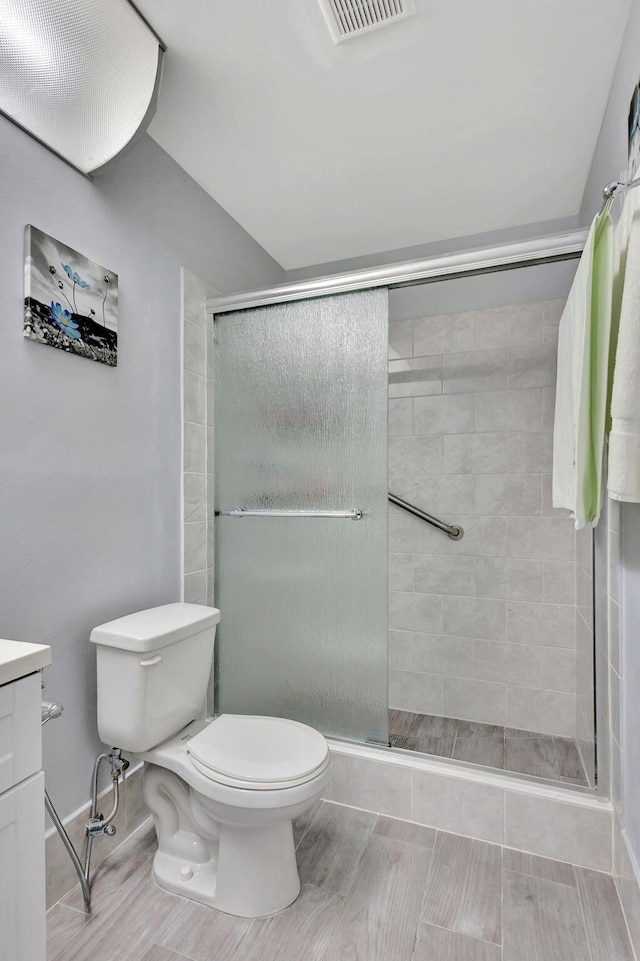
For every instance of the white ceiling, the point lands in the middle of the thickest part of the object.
(470, 117)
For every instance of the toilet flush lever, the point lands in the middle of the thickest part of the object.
(152, 661)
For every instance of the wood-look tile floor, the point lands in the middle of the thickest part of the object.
(373, 889)
(504, 748)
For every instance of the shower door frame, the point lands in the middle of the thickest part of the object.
(567, 245)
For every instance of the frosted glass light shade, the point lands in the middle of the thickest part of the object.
(80, 76)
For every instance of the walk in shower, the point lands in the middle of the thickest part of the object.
(436, 392)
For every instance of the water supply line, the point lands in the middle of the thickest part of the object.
(97, 823)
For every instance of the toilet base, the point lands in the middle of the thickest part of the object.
(242, 893)
(245, 869)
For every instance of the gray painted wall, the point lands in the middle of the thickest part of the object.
(609, 162)
(90, 455)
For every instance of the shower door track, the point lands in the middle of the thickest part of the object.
(525, 253)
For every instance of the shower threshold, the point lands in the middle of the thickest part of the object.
(493, 746)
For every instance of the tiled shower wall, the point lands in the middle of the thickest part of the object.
(483, 628)
(197, 440)
(585, 675)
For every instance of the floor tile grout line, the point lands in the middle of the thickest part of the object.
(68, 907)
(427, 880)
(583, 915)
(178, 954)
(359, 867)
(536, 877)
(634, 952)
(249, 929)
(502, 894)
(471, 937)
(304, 833)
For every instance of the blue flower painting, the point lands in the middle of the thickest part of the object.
(70, 302)
(65, 321)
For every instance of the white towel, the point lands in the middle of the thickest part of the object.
(624, 439)
(581, 388)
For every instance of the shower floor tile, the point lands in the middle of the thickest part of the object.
(504, 749)
(396, 891)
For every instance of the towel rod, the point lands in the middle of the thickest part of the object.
(454, 531)
(354, 515)
(616, 187)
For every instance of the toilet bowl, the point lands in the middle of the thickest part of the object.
(223, 792)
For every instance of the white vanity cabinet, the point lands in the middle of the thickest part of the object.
(22, 865)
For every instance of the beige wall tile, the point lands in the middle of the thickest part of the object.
(474, 371)
(507, 663)
(195, 587)
(462, 807)
(195, 400)
(558, 582)
(503, 494)
(195, 547)
(411, 691)
(400, 416)
(415, 378)
(442, 654)
(413, 612)
(445, 575)
(401, 572)
(560, 830)
(547, 712)
(474, 617)
(550, 625)
(401, 650)
(558, 669)
(532, 366)
(195, 448)
(400, 339)
(509, 578)
(444, 494)
(508, 326)
(415, 455)
(194, 349)
(483, 536)
(443, 334)
(371, 785)
(486, 453)
(408, 534)
(474, 700)
(443, 414)
(508, 410)
(195, 497)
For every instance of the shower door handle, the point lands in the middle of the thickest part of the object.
(354, 515)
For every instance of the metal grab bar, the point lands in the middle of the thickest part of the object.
(354, 515)
(454, 531)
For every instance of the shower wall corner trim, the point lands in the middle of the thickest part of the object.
(563, 246)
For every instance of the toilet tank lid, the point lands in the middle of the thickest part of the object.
(156, 627)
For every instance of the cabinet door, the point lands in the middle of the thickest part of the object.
(20, 730)
(22, 872)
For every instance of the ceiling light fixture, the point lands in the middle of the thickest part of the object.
(80, 76)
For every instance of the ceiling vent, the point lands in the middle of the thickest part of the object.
(350, 18)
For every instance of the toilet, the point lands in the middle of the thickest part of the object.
(223, 792)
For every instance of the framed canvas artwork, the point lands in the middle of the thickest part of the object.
(70, 302)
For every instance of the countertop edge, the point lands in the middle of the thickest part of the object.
(19, 658)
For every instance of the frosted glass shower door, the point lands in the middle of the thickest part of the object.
(301, 425)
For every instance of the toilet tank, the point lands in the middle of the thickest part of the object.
(153, 671)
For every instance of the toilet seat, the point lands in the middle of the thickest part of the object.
(258, 753)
